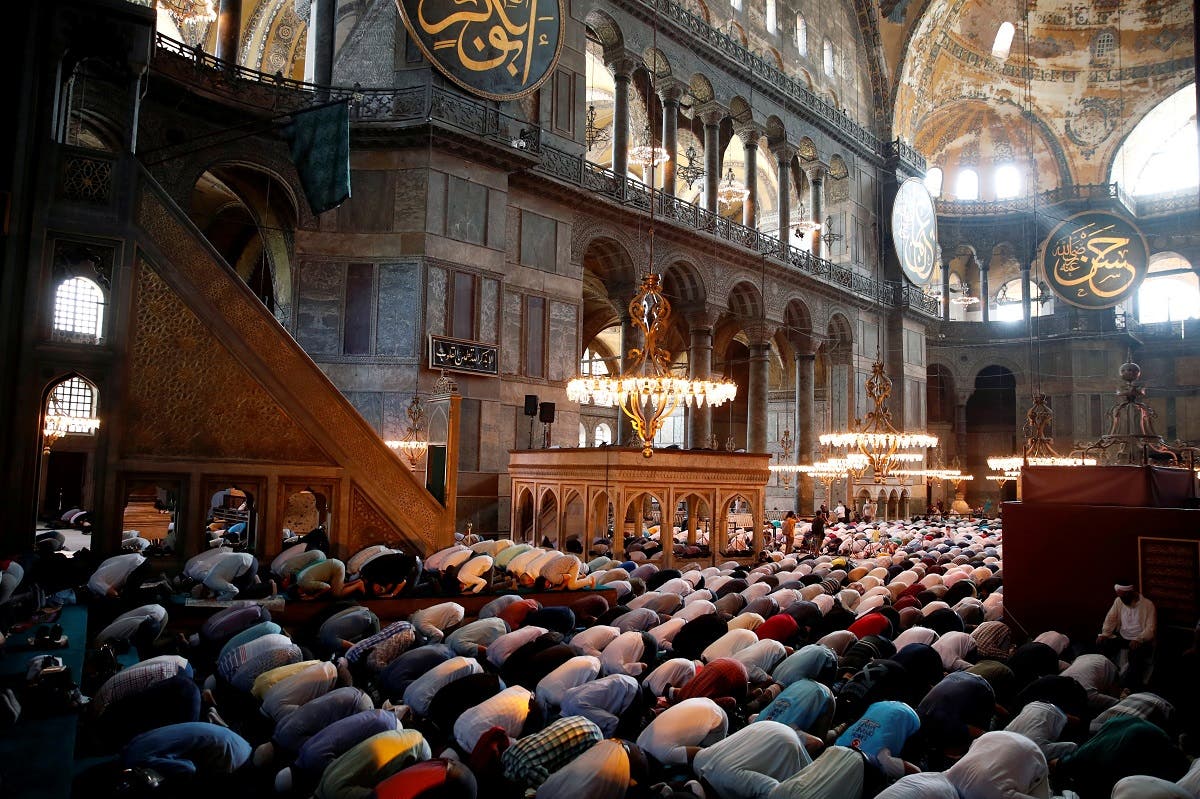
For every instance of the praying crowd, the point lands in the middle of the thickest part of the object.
(873, 660)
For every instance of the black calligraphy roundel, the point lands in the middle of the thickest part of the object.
(1095, 259)
(498, 49)
(914, 231)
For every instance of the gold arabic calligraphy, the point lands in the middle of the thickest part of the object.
(485, 34)
(914, 230)
(1093, 261)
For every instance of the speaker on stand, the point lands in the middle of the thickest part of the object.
(531, 410)
(546, 415)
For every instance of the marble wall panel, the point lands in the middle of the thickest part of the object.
(412, 200)
(319, 307)
(399, 319)
(372, 204)
(466, 211)
(510, 340)
(538, 241)
(489, 310)
(563, 350)
(369, 404)
(435, 301)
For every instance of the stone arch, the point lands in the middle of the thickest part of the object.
(738, 33)
(798, 328)
(776, 134)
(745, 301)
(701, 89)
(657, 62)
(699, 8)
(773, 56)
(806, 150)
(608, 282)
(740, 111)
(605, 29)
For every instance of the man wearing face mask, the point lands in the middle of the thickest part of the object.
(1130, 624)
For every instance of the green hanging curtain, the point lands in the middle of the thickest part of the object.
(320, 142)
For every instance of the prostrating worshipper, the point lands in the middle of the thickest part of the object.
(955, 712)
(327, 745)
(189, 750)
(751, 762)
(1130, 626)
(355, 774)
(1001, 765)
(433, 622)
(605, 702)
(506, 710)
(1043, 723)
(677, 735)
(881, 735)
(432, 779)
(342, 630)
(533, 758)
(1124, 746)
(294, 730)
(575, 672)
(420, 692)
(473, 575)
(395, 678)
(605, 771)
(806, 706)
(562, 572)
(139, 627)
(301, 683)
(117, 574)
(838, 773)
(326, 577)
(389, 574)
(376, 651)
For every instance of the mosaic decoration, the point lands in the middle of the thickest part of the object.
(1092, 123)
(1095, 259)
(497, 50)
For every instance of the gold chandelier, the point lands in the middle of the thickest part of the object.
(647, 154)
(414, 444)
(647, 391)
(192, 11)
(1038, 449)
(731, 191)
(882, 444)
(56, 425)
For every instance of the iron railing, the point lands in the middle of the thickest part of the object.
(1028, 203)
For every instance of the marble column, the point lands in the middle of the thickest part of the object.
(229, 30)
(323, 32)
(700, 366)
(1025, 298)
(711, 118)
(960, 427)
(622, 72)
(750, 137)
(984, 291)
(625, 436)
(806, 438)
(816, 182)
(784, 154)
(946, 289)
(756, 394)
(670, 93)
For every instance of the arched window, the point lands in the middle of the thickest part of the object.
(592, 364)
(1160, 156)
(1104, 44)
(966, 185)
(74, 398)
(1003, 41)
(603, 434)
(1008, 181)
(1007, 306)
(79, 311)
(736, 4)
(828, 58)
(772, 19)
(1170, 292)
(801, 36)
(933, 181)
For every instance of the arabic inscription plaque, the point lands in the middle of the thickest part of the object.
(498, 49)
(1095, 259)
(914, 231)
(463, 356)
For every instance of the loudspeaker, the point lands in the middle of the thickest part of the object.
(531, 405)
(546, 413)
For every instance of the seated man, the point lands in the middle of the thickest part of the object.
(1129, 625)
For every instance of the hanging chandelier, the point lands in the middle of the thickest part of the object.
(190, 11)
(648, 392)
(1039, 447)
(691, 173)
(594, 134)
(646, 154)
(414, 444)
(56, 425)
(805, 225)
(731, 191)
(882, 444)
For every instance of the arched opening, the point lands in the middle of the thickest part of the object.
(1159, 156)
(574, 523)
(304, 512)
(150, 522)
(991, 419)
(249, 216)
(67, 489)
(1170, 292)
(524, 531)
(547, 521)
(232, 518)
(78, 311)
(739, 528)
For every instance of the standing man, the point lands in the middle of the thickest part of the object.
(789, 531)
(1130, 624)
(868, 511)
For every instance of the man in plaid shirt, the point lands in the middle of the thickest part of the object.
(531, 760)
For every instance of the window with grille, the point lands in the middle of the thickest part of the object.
(1106, 42)
(74, 397)
(79, 311)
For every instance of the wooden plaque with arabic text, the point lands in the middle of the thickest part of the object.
(1095, 259)
(498, 49)
(1169, 569)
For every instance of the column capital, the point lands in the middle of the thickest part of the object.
(785, 152)
(701, 318)
(759, 332)
(816, 171)
(749, 134)
(670, 90)
(622, 63)
(710, 113)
